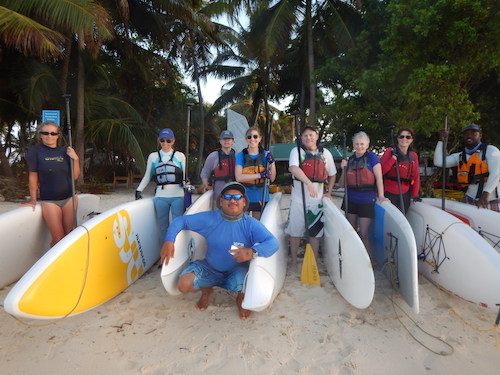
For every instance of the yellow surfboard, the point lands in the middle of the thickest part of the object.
(91, 265)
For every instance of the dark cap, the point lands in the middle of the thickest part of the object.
(225, 134)
(166, 133)
(305, 127)
(471, 127)
(234, 186)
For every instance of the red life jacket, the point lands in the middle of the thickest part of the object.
(225, 169)
(359, 177)
(314, 166)
(253, 166)
(406, 167)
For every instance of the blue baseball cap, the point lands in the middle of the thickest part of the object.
(166, 133)
(471, 127)
(226, 134)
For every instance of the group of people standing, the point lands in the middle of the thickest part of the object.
(240, 184)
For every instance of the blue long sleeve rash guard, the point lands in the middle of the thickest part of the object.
(221, 234)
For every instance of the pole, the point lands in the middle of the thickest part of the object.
(445, 142)
(266, 181)
(187, 187)
(401, 202)
(70, 142)
(344, 173)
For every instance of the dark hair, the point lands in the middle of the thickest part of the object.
(409, 130)
(253, 128)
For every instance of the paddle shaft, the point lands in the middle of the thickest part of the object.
(266, 164)
(401, 202)
(344, 172)
(296, 124)
(71, 167)
(445, 142)
(187, 191)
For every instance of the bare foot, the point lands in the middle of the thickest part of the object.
(202, 303)
(244, 314)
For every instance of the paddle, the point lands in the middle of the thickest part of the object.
(267, 166)
(445, 141)
(401, 202)
(68, 125)
(309, 273)
(187, 188)
(344, 173)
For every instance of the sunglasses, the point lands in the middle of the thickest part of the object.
(49, 133)
(166, 140)
(405, 136)
(255, 136)
(236, 197)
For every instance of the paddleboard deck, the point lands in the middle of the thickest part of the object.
(454, 256)
(26, 237)
(485, 222)
(92, 264)
(265, 276)
(346, 258)
(395, 251)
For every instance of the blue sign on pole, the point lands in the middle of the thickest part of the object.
(51, 115)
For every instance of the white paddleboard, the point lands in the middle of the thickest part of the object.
(346, 258)
(92, 264)
(26, 237)
(485, 222)
(395, 251)
(266, 276)
(189, 246)
(454, 256)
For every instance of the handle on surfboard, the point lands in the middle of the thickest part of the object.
(68, 125)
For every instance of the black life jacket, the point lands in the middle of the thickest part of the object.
(225, 169)
(314, 165)
(359, 177)
(167, 173)
(406, 167)
(253, 166)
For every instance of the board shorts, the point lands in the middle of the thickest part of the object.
(395, 200)
(360, 209)
(295, 226)
(493, 205)
(255, 206)
(206, 277)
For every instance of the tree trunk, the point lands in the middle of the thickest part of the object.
(4, 162)
(80, 107)
(310, 64)
(202, 123)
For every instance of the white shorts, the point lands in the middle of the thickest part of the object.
(295, 226)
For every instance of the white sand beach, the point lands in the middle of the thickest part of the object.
(308, 330)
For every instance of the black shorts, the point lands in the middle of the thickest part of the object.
(360, 209)
(254, 206)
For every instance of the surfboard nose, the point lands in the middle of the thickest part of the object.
(258, 298)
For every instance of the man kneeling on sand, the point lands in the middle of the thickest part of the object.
(233, 239)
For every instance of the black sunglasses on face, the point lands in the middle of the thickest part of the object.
(51, 133)
(255, 136)
(405, 136)
(236, 197)
(166, 140)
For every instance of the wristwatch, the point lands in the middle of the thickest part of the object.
(254, 255)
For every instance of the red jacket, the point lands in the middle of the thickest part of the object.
(391, 186)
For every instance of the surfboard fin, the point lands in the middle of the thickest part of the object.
(309, 274)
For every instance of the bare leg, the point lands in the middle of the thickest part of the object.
(67, 215)
(244, 314)
(256, 215)
(315, 246)
(186, 285)
(364, 225)
(294, 248)
(53, 215)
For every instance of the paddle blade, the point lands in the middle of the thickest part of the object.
(309, 274)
